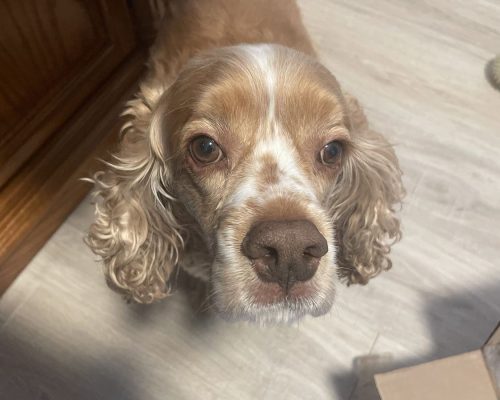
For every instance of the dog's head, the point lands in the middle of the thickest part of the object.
(254, 164)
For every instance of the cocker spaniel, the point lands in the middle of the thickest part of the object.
(244, 163)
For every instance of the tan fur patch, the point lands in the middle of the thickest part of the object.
(269, 171)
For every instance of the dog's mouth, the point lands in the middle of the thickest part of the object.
(269, 302)
(273, 307)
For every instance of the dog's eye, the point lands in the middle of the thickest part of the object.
(205, 150)
(331, 153)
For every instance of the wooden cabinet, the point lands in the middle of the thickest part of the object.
(66, 67)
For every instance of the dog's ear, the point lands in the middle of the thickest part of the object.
(135, 231)
(367, 192)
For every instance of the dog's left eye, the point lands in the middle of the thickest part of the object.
(205, 150)
(331, 153)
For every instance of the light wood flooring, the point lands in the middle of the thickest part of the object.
(417, 67)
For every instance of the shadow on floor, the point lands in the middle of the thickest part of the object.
(27, 372)
(196, 294)
(30, 371)
(446, 317)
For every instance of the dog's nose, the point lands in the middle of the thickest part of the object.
(285, 251)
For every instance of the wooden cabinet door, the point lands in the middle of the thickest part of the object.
(53, 55)
(66, 69)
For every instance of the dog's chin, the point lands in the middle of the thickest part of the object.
(270, 306)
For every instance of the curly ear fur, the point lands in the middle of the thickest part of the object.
(367, 191)
(135, 232)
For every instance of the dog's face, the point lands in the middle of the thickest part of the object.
(255, 152)
(256, 144)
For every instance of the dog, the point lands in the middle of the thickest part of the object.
(243, 163)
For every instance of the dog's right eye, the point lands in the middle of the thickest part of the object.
(331, 152)
(205, 150)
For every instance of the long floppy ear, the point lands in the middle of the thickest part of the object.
(135, 232)
(364, 201)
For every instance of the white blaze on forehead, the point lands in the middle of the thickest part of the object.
(274, 145)
(262, 56)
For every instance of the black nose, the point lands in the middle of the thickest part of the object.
(284, 251)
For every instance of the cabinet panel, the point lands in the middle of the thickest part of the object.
(53, 55)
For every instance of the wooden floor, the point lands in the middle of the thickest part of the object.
(417, 66)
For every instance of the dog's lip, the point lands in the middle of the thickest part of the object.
(268, 303)
(269, 293)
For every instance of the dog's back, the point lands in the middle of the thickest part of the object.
(192, 26)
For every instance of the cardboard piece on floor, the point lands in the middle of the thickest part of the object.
(468, 376)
